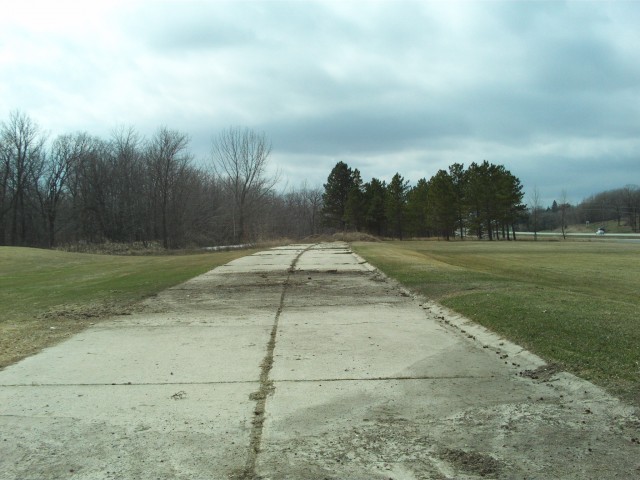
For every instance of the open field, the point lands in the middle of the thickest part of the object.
(45, 295)
(573, 303)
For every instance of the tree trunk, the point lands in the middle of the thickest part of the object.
(165, 234)
(240, 233)
(51, 224)
(14, 219)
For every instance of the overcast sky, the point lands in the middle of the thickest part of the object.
(549, 89)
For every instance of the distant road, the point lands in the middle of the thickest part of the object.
(606, 236)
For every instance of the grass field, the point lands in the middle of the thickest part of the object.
(45, 295)
(576, 304)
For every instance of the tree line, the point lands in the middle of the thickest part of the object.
(484, 201)
(127, 188)
(78, 188)
(621, 205)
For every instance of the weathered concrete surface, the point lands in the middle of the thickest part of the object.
(303, 362)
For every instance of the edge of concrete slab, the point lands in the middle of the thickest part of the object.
(366, 264)
(522, 361)
(468, 327)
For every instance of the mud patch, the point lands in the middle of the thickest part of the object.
(93, 311)
(372, 450)
(326, 288)
(543, 373)
(472, 462)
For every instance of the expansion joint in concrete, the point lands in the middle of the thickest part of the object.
(266, 385)
(123, 384)
(256, 396)
(387, 379)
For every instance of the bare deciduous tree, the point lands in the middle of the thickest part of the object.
(65, 154)
(534, 205)
(131, 185)
(168, 159)
(313, 202)
(240, 158)
(5, 195)
(631, 195)
(23, 158)
(564, 205)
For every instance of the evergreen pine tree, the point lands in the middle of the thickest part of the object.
(336, 192)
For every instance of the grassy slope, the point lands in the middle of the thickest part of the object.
(47, 295)
(573, 303)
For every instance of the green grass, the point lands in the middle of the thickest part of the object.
(47, 295)
(572, 303)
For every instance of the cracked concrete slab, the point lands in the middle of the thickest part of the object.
(303, 362)
(125, 431)
(149, 354)
(384, 341)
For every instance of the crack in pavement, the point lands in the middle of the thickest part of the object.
(266, 385)
(385, 379)
(246, 382)
(125, 384)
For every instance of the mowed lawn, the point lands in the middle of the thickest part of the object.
(574, 303)
(46, 295)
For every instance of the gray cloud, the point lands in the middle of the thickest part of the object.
(549, 89)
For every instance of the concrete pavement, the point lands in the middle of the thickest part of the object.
(303, 362)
